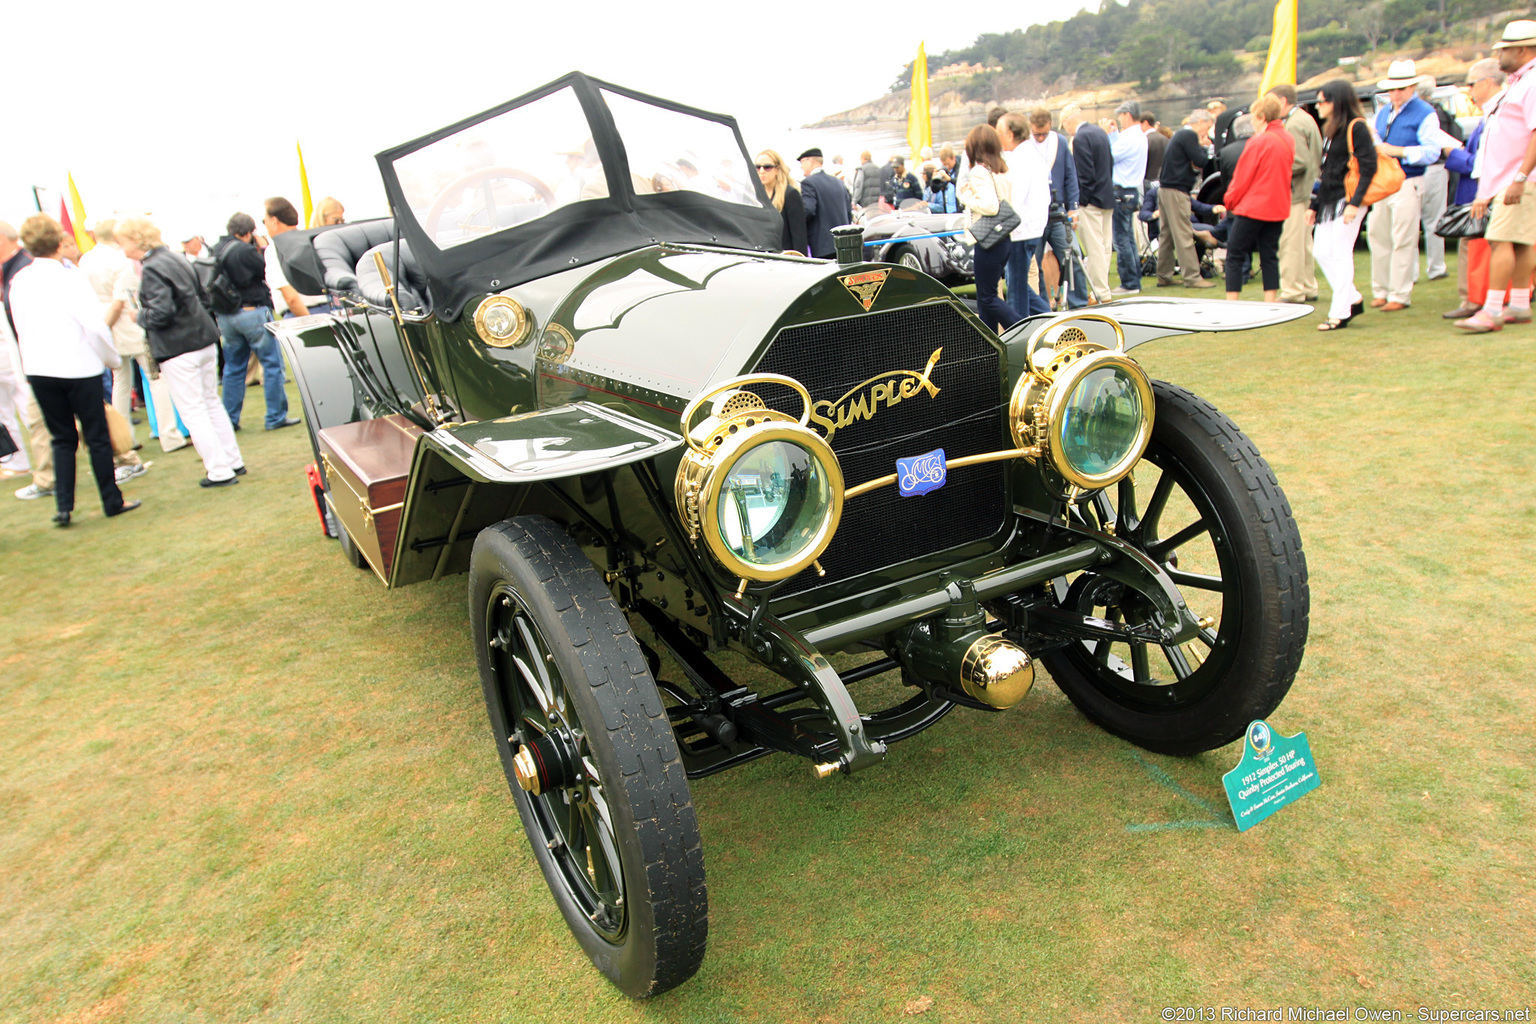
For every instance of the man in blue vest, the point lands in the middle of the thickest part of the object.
(1408, 129)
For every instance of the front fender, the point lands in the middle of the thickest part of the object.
(467, 476)
(1148, 319)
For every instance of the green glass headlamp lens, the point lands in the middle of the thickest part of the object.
(773, 505)
(1101, 421)
(1098, 413)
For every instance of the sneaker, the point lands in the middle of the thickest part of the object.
(1459, 313)
(207, 482)
(125, 473)
(1121, 290)
(1517, 316)
(1200, 284)
(1481, 323)
(31, 492)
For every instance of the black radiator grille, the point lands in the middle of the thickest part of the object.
(882, 528)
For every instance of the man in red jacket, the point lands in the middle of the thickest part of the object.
(1259, 199)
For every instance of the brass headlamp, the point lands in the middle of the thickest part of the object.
(1086, 406)
(762, 489)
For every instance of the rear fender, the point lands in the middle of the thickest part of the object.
(321, 373)
(467, 476)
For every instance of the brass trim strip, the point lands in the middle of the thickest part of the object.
(964, 460)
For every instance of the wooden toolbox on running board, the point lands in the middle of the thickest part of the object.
(365, 466)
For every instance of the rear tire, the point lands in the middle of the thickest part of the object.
(1173, 702)
(614, 830)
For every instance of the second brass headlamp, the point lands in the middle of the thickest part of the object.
(1086, 406)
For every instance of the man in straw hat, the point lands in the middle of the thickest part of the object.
(1505, 158)
(1409, 129)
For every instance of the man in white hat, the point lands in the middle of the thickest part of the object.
(1408, 129)
(1507, 156)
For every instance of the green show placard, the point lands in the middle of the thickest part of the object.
(1275, 770)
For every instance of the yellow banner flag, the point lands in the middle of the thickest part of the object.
(309, 205)
(1281, 66)
(77, 222)
(919, 128)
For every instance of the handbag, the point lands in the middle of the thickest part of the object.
(7, 445)
(990, 230)
(1389, 176)
(121, 432)
(1457, 222)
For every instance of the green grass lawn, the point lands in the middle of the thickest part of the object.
(241, 781)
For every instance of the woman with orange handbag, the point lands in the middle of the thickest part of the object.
(1346, 140)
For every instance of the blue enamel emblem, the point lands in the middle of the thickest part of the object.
(921, 473)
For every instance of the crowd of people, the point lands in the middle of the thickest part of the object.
(1088, 194)
(135, 323)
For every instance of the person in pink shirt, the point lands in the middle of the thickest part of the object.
(1507, 157)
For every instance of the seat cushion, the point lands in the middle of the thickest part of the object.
(411, 288)
(340, 249)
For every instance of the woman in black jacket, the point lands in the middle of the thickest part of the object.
(1338, 216)
(181, 340)
(785, 195)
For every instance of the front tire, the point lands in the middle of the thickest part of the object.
(613, 826)
(907, 256)
(1213, 516)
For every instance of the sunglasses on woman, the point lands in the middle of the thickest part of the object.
(767, 167)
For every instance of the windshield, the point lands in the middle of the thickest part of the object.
(671, 151)
(524, 163)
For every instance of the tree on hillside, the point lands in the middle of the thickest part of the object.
(1370, 22)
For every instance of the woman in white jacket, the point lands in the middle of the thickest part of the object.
(987, 187)
(65, 344)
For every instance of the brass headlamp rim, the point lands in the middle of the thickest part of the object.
(1053, 328)
(520, 332)
(1060, 392)
(740, 384)
(706, 469)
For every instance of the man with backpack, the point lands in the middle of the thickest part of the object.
(242, 306)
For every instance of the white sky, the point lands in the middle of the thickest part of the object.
(184, 110)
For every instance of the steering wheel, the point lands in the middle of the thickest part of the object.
(483, 176)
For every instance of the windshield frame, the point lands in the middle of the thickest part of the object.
(582, 232)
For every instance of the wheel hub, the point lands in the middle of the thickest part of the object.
(545, 764)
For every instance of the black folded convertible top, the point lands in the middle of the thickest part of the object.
(580, 232)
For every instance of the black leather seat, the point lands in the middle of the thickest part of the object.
(410, 289)
(340, 248)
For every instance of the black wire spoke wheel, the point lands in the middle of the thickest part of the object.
(1204, 505)
(589, 755)
(571, 809)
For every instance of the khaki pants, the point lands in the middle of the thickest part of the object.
(1096, 227)
(1394, 235)
(1436, 181)
(1461, 270)
(1298, 272)
(165, 412)
(1175, 233)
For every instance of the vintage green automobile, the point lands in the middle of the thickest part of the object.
(574, 366)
